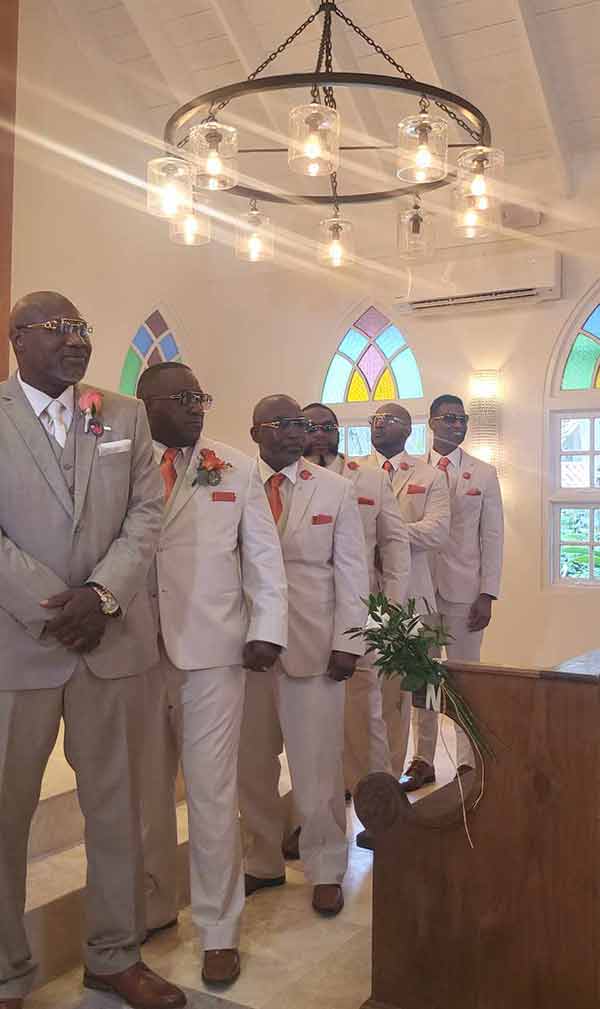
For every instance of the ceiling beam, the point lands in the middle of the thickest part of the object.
(548, 92)
(145, 15)
(422, 11)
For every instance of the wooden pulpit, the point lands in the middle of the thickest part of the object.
(513, 923)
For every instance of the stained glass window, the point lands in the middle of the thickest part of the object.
(154, 342)
(582, 369)
(373, 364)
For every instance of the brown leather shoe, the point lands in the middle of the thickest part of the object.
(328, 898)
(290, 849)
(11, 1003)
(221, 966)
(139, 986)
(417, 774)
(254, 883)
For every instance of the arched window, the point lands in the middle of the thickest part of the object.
(154, 342)
(373, 364)
(573, 521)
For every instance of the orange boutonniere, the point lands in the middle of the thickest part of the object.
(305, 474)
(209, 469)
(404, 465)
(353, 465)
(466, 476)
(90, 404)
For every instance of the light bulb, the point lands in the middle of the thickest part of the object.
(336, 252)
(423, 157)
(313, 168)
(312, 147)
(255, 247)
(471, 219)
(190, 229)
(478, 185)
(170, 199)
(420, 176)
(214, 165)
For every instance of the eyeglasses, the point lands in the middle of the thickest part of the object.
(63, 326)
(452, 418)
(288, 424)
(327, 428)
(188, 398)
(382, 419)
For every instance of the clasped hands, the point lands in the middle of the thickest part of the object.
(261, 655)
(80, 624)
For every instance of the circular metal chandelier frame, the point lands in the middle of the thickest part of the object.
(206, 102)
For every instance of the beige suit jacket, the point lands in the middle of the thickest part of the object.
(422, 495)
(50, 541)
(471, 560)
(325, 562)
(221, 580)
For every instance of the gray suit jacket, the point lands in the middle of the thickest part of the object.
(106, 531)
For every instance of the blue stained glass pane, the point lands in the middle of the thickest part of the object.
(142, 341)
(169, 347)
(359, 440)
(407, 375)
(334, 390)
(342, 443)
(592, 323)
(417, 443)
(353, 344)
(390, 341)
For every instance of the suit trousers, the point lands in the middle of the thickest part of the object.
(306, 715)
(205, 732)
(365, 734)
(465, 647)
(103, 746)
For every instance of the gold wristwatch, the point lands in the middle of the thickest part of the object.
(108, 604)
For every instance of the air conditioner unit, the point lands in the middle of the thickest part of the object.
(490, 281)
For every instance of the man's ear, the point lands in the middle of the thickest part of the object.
(254, 434)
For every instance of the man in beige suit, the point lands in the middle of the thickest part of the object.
(222, 597)
(80, 513)
(300, 703)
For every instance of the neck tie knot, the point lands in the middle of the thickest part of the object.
(168, 471)
(387, 466)
(443, 463)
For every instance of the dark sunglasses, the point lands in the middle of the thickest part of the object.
(188, 398)
(452, 418)
(288, 424)
(63, 326)
(327, 428)
(381, 419)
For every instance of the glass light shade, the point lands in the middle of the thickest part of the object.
(336, 242)
(255, 240)
(471, 220)
(479, 170)
(314, 141)
(214, 147)
(191, 229)
(416, 233)
(169, 190)
(422, 149)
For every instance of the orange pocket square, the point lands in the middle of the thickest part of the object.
(474, 492)
(366, 500)
(416, 488)
(223, 495)
(322, 520)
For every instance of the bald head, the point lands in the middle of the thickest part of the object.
(49, 359)
(391, 429)
(282, 445)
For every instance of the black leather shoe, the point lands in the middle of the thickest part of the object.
(254, 883)
(364, 840)
(417, 774)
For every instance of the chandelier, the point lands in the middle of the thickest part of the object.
(202, 156)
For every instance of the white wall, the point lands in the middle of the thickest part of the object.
(249, 333)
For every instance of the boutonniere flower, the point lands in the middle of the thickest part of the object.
(305, 474)
(90, 404)
(209, 469)
(404, 465)
(466, 476)
(352, 465)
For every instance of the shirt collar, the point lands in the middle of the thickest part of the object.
(454, 457)
(160, 449)
(395, 460)
(291, 471)
(40, 401)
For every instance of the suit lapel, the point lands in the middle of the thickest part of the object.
(85, 450)
(302, 493)
(183, 490)
(18, 409)
(401, 478)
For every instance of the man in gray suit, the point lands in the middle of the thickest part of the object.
(80, 516)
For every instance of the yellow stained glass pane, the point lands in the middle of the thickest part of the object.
(386, 387)
(597, 382)
(358, 391)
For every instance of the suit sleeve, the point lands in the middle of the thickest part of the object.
(24, 582)
(351, 575)
(263, 574)
(394, 546)
(491, 532)
(432, 531)
(124, 568)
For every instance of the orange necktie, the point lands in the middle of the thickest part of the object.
(274, 495)
(443, 465)
(387, 466)
(168, 471)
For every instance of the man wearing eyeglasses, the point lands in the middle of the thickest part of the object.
(80, 514)
(299, 703)
(422, 496)
(466, 571)
(222, 595)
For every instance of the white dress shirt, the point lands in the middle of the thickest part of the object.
(40, 401)
(454, 460)
(285, 490)
(395, 460)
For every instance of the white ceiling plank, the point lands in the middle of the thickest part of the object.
(145, 15)
(551, 99)
(422, 11)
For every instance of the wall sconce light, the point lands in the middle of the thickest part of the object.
(484, 412)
